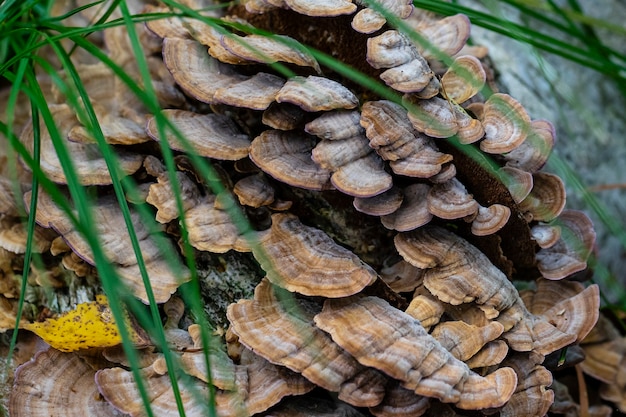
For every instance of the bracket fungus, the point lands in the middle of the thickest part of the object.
(306, 260)
(429, 369)
(164, 277)
(388, 254)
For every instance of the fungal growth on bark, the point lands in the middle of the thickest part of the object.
(398, 253)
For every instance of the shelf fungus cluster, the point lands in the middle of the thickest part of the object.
(411, 257)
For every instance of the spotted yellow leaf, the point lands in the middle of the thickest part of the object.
(90, 325)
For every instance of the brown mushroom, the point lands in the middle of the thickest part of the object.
(447, 35)
(410, 77)
(378, 335)
(166, 273)
(212, 229)
(198, 74)
(546, 235)
(518, 182)
(88, 162)
(533, 153)
(400, 401)
(212, 135)
(381, 204)
(442, 252)
(336, 125)
(283, 116)
(492, 354)
(283, 333)
(506, 124)
(55, 383)
(546, 199)
(314, 94)
(464, 340)
(255, 93)
(402, 276)
(254, 191)
(390, 49)
(425, 307)
(306, 260)
(322, 8)
(531, 397)
(364, 177)
(464, 79)
(490, 219)
(569, 254)
(333, 154)
(268, 50)
(286, 156)
(369, 20)
(413, 211)
(434, 117)
(389, 130)
(161, 194)
(450, 200)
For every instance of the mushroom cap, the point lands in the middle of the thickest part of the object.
(410, 77)
(321, 8)
(464, 340)
(333, 154)
(470, 129)
(286, 156)
(413, 211)
(195, 71)
(471, 277)
(87, 160)
(161, 194)
(400, 401)
(281, 329)
(268, 50)
(569, 254)
(390, 49)
(533, 153)
(379, 335)
(336, 125)
(434, 117)
(493, 353)
(55, 383)
(365, 177)
(254, 191)
(546, 199)
(464, 79)
(546, 235)
(306, 260)
(283, 116)
(490, 219)
(165, 276)
(256, 93)
(118, 387)
(211, 229)
(450, 200)
(424, 162)
(389, 129)
(14, 236)
(402, 276)
(506, 124)
(518, 182)
(369, 20)
(211, 135)
(531, 398)
(315, 94)
(380, 204)
(568, 305)
(447, 35)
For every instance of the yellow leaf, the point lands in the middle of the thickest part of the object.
(89, 325)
